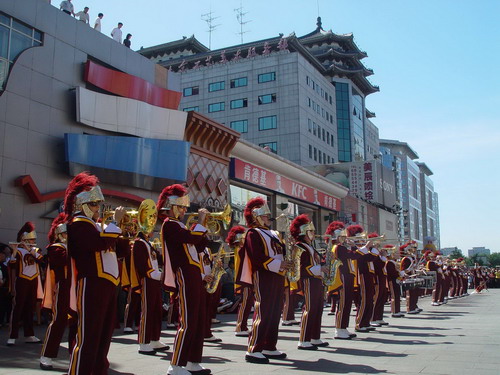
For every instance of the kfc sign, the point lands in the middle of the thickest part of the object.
(261, 177)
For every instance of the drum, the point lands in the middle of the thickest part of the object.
(429, 280)
(414, 283)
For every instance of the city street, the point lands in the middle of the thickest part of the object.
(461, 337)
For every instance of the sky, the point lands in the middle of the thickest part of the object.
(436, 62)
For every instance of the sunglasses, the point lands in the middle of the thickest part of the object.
(93, 204)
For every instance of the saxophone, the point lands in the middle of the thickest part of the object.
(217, 271)
(293, 252)
(332, 264)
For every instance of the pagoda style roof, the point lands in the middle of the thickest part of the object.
(369, 114)
(331, 54)
(183, 44)
(424, 168)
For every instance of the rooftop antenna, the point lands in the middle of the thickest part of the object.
(317, 2)
(239, 17)
(209, 19)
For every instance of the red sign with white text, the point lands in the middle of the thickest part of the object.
(258, 176)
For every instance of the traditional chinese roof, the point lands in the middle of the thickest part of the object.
(332, 54)
(369, 114)
(190, 44)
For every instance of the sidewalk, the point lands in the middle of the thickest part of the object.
(461, 337)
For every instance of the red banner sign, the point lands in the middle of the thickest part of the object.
(259, 176)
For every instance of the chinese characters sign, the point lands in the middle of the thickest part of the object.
(261, 177)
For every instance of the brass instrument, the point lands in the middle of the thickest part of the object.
(293, 252)
(217, 271)
(147, 215)
(213, 220)
(127, 224)
(333, 264)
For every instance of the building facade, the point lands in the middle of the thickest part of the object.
(301, 97)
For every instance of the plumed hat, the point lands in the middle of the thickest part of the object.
(81, 189)
(353, 230)
(373, 235)
(333, 227)
(173, 195)
(300, 225)
(27, 232)
(235, 235)
(58, 226)
(255, 207)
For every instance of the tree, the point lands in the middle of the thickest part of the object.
(494, 259)
(457, 253)
(475, 259)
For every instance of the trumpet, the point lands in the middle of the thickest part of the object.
(128, 223)
(214, 220)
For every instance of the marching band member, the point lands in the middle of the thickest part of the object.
(25, 284)
(366, 273)
(432, 265)
(311, 284)
(92, 249)
(408, 266)
(263, 266)
(57, 291)
(211, 299)
(235, 239)
(183, 270)
(394, 275)
(346, 271)
(380, 287)
(145, 263)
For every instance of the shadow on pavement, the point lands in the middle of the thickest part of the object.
(420, 328)
(327, 366)
(368, 353)
(419, 334)
(396, 342)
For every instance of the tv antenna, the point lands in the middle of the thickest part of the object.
(239, 16)
(209, 19)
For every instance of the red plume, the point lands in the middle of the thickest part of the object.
(352, 230)
(176, 189)
(60, 219)
(373, 235)
(296, 224)
(81, 182)
(26, 228)
(388, 246)
(334, 225)
(251, 204)
(231, 236)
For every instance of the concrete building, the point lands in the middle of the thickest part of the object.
(478, 251)
(448, 250)
(417, 201)
(301, 97)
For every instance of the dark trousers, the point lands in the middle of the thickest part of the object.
(438, 289)
(151, 311)
(310, 328)
(379, 298)
(345, 301)
(56, 328)
(365, 310)
(268, 289)
(188, 344)
(23, 305)
(5, 305)
(395, 290)
(412, 299)
(133, 309)
(244, 309)
(289, 303)
(96, 309)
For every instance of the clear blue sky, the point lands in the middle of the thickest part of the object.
(436, 62)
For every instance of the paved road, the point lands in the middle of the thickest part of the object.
(462, 337)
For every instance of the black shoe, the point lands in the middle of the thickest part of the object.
(205, 371)
(252, 359)
(164, 349)
(275, 356)
(46, 367)
(322, 345)
(314, 347)
(331, 313)
(371, 328)
(352, 335)
(147, 352)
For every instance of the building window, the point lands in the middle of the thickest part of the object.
(315, 154)
(266, 77)
(319, 132)
(309, 125)
(414, 187)
(310, 152)
(195, 108)
(343, 121)
(238, 82)
(323, 134)
(416, 226)
(190, 91)
(314, 128)
(240, 126)
(269, 122)
(328, 137)
(429, 199)
(271, 146)
(15, 37)
(216, 86)
(216, 107)
(238, 103)
(266, 99)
